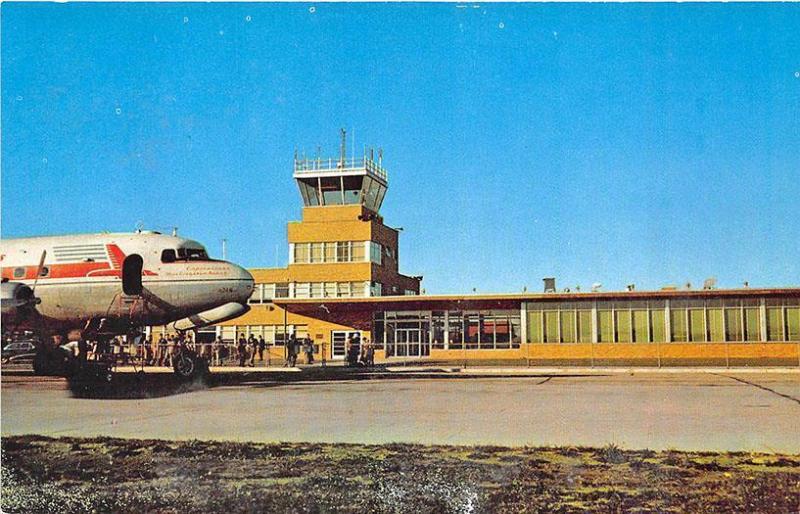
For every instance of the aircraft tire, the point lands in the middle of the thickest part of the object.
(45, 364)
(40, 365)
(190, 366)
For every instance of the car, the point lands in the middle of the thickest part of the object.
(18, 351)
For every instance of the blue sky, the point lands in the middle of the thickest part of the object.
(611, 143)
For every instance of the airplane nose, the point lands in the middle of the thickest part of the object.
(246, 281)
(242, 282)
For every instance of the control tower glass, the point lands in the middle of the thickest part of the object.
(359, 180)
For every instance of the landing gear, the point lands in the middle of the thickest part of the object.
(93, 372)
(51, 362)
(52, 359)
(184, 365)
(90, 379)
(188, 365)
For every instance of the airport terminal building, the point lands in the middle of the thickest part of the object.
(343, 280)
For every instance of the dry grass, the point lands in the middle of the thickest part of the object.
(40, 474)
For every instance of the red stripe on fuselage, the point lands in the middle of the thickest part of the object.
(70, 270)
(73, 270)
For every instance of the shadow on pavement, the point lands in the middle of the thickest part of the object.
(154, 385)
(132, 386)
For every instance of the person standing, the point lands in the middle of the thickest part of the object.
(355, 350)
(141, 348)
(262, 345)
(291, 348)
(362, 354)
(252, 344)
(216, 349)
(298, 347)
(308, 346)
(148, 352)
(295, 350)
(370, 353)
(161, 350)
(170, 350)
(241, 350)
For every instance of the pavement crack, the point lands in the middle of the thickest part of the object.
(765, 388)
(548, 379)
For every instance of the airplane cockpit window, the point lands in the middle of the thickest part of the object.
(184, 254)
(192, 254)
(168, 255)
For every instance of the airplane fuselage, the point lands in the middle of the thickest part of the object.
(95, 276)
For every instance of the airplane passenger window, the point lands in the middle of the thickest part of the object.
(168, 255)
(19, 272)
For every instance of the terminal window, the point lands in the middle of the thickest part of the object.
(327, 252)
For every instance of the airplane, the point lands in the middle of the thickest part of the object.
(101, 285)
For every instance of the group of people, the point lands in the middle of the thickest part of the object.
(359, 352)
(244, 351)
(124, 352)
(247, 349)
(293, 348)
(165, 350)
(102, 349)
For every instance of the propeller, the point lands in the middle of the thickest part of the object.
(38, 274)
(16, 296)
(20, 301)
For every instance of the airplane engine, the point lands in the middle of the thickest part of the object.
(216, 315)
(17, 301)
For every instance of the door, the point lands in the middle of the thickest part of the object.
(339, 342)
(132, 274)
(407, 341)
(412, 342)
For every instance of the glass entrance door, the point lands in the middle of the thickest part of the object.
(412, 342)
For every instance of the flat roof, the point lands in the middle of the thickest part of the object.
(334, 307)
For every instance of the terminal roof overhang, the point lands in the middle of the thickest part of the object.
(344, 308)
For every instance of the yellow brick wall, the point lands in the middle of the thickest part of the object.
(270, 275)
(601, 354)
(338, 272)
(332, 213)
(330, 223)
(666, 354)
(341, 223)
(329, 231)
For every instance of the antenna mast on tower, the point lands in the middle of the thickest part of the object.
(343, 149)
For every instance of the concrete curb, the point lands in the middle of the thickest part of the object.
(481, 371)
(583, 370)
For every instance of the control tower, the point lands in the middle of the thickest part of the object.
(342, 181)
(342, 247)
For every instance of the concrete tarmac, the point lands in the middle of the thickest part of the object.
(687, 411)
